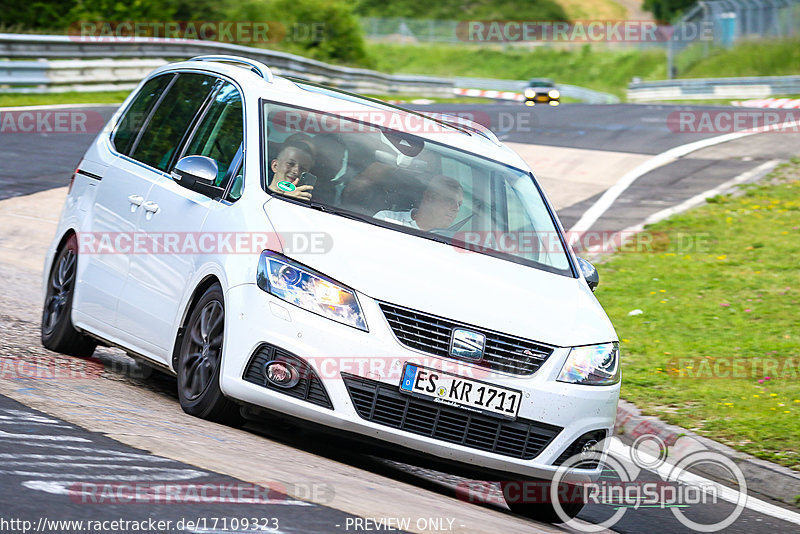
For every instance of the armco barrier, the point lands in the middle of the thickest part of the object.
(713, 88)
(48, 76)
(68, 63)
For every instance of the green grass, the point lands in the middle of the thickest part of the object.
(602, 70)
(608, 71)
(27, 99)
(721, 101)
(757, 58)
(717, 285)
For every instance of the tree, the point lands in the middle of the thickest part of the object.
(667, 10)
(320, 29)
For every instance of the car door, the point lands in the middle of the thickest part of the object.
(114, 215)
(173, 216)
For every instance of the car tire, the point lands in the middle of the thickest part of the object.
(542, 511)
(200, 360)
(58, 332)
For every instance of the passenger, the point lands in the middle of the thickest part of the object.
(293, 160)
(438, 208)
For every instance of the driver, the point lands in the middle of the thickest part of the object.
(437, 209)
(293, 160)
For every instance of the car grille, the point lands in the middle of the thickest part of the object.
(386, 405)
(431, 334)
(309, 388)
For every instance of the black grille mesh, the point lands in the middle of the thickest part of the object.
(386, 405)
(431, 334)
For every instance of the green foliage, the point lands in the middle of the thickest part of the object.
(34, 15)
(113, 10)
(667, 10)
(459, 10)
(320, 29)
(186, 10)
(59, 14)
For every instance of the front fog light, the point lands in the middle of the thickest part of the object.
(309, 290)
(596, 365)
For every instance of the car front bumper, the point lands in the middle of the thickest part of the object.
(256, 318)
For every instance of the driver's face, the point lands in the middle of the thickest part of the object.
(443, 206)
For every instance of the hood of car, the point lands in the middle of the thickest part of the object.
(440, 279)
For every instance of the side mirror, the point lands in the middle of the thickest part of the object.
(590, 273)
(198, 173)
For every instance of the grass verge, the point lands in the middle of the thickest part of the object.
(716, 348)
(36, 99)
(717, 101)
(602, 70)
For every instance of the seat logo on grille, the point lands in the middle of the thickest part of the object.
(467, 344)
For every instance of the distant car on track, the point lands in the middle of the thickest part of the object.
(542, 91)
(288, 247)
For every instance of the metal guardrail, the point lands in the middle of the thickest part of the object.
(573, 91)
(45, 74)
(74, 75)
(712, 88)
(72, 63)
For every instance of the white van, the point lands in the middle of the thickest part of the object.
(334, 259)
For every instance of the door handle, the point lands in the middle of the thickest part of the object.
(151, 206)
(136, 200)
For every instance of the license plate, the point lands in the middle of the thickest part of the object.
(465, 393)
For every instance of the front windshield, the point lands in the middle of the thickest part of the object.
(368, 165)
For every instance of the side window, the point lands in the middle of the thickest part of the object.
(463, 173)
(518, 219)
(220, 132)
(171, 120)
(133, 119)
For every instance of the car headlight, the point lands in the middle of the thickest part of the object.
(530, 93)
(595, 365)
(309, 290)
(553, 93)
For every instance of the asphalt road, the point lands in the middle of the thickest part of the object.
(58, 477)
(34, 485)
